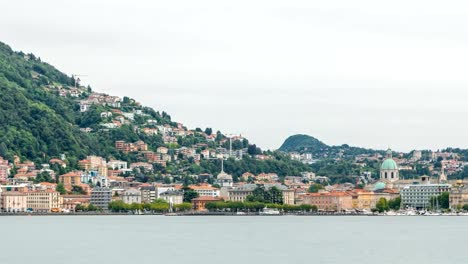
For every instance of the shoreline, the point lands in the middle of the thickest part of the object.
(209, 214)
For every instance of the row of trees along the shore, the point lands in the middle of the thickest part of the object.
(257, 206)
(158, 206)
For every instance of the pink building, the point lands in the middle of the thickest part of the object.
(14, 201)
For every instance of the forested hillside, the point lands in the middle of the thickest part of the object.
(40, 119)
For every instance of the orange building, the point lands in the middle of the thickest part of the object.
(329, 201)
(70, 179)
(198, 204)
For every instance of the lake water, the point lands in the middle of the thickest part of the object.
(232, 240)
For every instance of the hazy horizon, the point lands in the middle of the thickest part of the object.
(361, 73)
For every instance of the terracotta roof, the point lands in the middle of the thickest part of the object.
(57, 161)
(47, 183)
(71, 174)
(207, 198)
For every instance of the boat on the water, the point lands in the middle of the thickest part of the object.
(270, 211)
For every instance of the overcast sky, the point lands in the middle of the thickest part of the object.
(366, 73)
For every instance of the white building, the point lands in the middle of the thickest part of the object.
(418, 196)
(117, 164)
(174, 197)
(131, 196)
(163, 188)
(205, 190)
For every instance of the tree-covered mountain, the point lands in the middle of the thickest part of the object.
(42, 116)
(308, 144)
(303, 143)
(33, 121)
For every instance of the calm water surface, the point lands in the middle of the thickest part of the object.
(226, 240)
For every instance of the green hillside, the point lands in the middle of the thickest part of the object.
(34, 122)
(40, 119)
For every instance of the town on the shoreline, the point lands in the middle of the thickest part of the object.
(100, 187)
(168, 168)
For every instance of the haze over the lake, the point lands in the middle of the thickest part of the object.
(367, 73)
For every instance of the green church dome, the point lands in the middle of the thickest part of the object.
(379, 186)
(389, 164)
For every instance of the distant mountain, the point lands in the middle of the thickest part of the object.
(308, 144)
(303, 143)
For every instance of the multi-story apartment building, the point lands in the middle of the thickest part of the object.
(70, 179)
(148, 194)
(13, 202)
(418, 196)
(101, 197)
(44, 201)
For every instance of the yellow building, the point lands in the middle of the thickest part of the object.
(363, 200)
(43, 201)
(458, 196)
(288, 196)
(367, 200)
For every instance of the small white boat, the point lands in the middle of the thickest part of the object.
(270, 211)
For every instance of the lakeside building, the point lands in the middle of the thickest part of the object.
(367, 200)
(329, 201)
(70, 201)
(174, 197)
(198, 204)
(131, 196)
(418, 196)
(240, 193)
(458, 196)
(101, 197)
(44, 201)
(13, 202)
